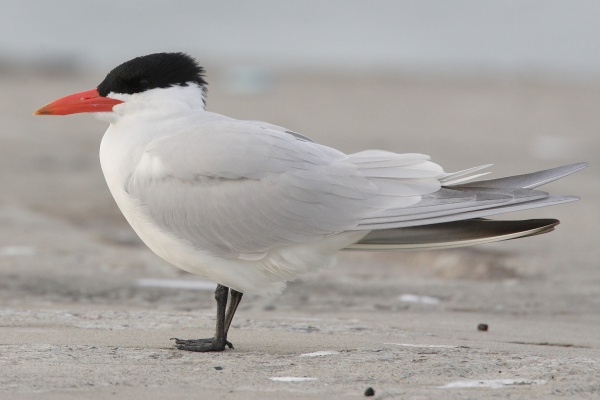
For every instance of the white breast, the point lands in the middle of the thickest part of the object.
(121, 152)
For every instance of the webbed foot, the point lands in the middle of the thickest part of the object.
(201, 345)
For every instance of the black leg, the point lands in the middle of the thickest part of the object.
(219, 341)
(236, 298)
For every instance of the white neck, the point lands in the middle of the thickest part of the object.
(160, 102)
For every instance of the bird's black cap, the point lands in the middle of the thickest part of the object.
(159, 70)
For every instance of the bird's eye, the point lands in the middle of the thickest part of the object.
(144, 83)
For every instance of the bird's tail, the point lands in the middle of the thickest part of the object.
(463, 228)
(526, 181)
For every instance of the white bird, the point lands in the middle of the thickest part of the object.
(252, 205)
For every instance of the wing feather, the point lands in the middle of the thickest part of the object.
(235, 188)
(241, 188)
(529, 181)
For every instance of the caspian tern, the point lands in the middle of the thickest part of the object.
(252, 205)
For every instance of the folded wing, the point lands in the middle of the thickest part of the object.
(238, 189)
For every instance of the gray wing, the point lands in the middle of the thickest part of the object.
(475, 200)
(528, 181)
(238, 189)
(452, 234)
(448, 218)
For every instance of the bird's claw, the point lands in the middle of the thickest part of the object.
(201, 345)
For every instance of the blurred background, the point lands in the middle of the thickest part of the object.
(515, 83)
(460, 37)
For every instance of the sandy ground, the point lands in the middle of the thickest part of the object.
(80, 317)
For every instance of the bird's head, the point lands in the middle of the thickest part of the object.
(170, 81)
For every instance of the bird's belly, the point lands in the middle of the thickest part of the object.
(265, 275)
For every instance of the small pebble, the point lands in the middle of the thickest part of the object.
(369, 392)
(482, 327)
(218, 368)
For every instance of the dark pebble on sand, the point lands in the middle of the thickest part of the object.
(369, 392)
(218, 368)
(482, 327)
